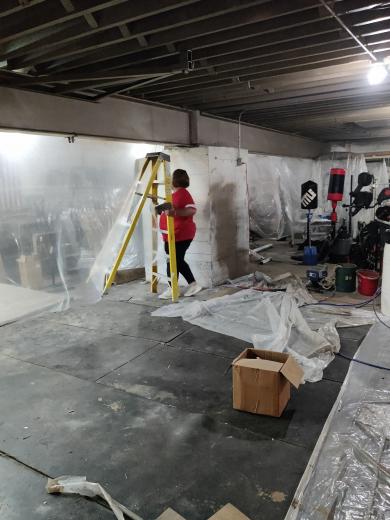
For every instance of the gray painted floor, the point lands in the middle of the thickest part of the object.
(143, 406)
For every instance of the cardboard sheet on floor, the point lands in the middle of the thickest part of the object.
(18, 302)
(229, 512)
(170, 514)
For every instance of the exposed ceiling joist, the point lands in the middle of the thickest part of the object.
(36, 17)
(291, 65)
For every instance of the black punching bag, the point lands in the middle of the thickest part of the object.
(309, 195)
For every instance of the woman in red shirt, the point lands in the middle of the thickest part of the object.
(183, 212)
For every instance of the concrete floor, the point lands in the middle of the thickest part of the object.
(143, 405)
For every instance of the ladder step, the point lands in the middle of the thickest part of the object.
(160, 275)
(158, 155)
(160, 230)
(149, 196)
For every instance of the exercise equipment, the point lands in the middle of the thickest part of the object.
(335, 193)
(359, 199)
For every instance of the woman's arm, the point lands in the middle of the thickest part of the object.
(182, 212)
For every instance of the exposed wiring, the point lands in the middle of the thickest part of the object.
(357, 305)
(362, 362)
(239, 159)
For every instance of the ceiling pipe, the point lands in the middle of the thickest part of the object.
(239, 158)
(339, 20)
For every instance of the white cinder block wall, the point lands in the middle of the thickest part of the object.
(219, 188)
(229, 214)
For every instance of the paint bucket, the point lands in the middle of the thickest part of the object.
(310, 256)
(367, 282)
(385, 298)
(346, 278)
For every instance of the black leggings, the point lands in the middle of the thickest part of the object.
(182, 266)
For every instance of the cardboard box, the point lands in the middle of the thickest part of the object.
(261, 381)
(30, 271)
(129, 275)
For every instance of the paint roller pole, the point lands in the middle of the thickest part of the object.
(308, 227)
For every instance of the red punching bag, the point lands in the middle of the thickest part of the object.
(336, 190)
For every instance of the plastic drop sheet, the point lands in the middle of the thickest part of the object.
(351, 474)
(61, 204)
(267, 320)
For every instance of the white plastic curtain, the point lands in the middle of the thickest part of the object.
(58, 202)
(274, 185)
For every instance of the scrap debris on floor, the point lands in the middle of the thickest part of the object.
(70, 485)
(147, 388)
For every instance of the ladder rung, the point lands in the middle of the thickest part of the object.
(160, 275)
(149, 196)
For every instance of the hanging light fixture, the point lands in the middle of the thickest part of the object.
(377, 73)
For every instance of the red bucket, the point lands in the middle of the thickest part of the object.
(367, 282)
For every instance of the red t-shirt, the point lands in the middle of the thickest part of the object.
(185, 228)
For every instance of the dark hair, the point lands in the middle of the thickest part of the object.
(180, 179)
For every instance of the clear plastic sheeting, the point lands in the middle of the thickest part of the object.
(91, 290)
(274, 185)
(265, 203)
(348, 476)
(267, 320)
(59, 200)
(319, 315)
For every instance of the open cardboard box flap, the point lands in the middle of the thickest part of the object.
(260, 364)
(272, 361)
(292, 372)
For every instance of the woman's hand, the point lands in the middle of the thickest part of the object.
(180, 212)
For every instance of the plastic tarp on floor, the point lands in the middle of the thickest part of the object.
(60, 203)
(348, 476)
(274, 321)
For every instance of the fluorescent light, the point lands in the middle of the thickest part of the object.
(377, 73)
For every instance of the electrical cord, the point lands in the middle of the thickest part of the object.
(362, 362)
(357, 305)
(377, 316)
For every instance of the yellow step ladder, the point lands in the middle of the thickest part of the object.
(155, 161)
